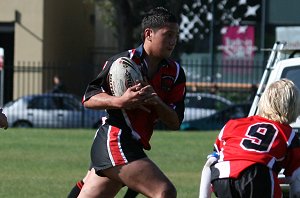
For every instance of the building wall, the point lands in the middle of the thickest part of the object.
(49, 30)
(28, 30)
(28, 41)
(69, 39)
(49, 33)
(68, 31)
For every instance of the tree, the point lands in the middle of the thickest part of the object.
(124, 17)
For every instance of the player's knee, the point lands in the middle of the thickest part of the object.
(168, 191)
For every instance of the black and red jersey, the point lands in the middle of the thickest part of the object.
(168, 83)
(247, 141)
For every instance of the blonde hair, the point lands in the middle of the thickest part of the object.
(280, 102)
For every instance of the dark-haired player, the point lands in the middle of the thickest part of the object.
(117, 153)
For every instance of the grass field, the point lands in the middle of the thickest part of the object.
(46, 163)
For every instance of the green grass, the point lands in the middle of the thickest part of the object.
(48, 162)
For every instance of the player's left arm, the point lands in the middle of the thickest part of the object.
(170, 113)
(205, 183)
(166, 114)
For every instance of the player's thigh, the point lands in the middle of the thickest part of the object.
(222, 188)
(142, 175)
(256, 181)
(97, 186)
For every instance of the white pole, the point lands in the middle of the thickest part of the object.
(1, 76)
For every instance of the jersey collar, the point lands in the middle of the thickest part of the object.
(139, 52)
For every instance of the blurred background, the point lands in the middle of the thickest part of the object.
(220, 48)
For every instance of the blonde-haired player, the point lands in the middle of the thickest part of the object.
(251, 151)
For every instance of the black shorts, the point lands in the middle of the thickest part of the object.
(113, 146)
(255, 181)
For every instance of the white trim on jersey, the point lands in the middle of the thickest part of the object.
(178, 70)
(291, 138)
(224, 168)
(104, 65)
(130, 53)
(271, 163)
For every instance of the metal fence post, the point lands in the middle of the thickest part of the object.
(1, 76)
(1, 86)
(212, 42)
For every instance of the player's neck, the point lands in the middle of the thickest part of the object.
(152, 65)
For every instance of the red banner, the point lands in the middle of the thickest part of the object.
(238, 46)
(238, 42)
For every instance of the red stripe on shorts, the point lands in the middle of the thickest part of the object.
(80, 184)
(115, 151)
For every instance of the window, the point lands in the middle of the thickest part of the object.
(293, 74)
(41, 103)
(71, 104)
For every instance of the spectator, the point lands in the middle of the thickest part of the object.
(58, 85)
(3, 120)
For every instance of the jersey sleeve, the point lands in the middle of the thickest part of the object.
(219, 140)
(99, 84)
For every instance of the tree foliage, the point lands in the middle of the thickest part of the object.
(124, 17)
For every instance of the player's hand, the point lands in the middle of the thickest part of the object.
(151, 97)
(132, 98)
(213, 154)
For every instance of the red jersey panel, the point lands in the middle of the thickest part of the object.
(246, 141)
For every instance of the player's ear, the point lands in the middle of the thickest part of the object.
(148, 34)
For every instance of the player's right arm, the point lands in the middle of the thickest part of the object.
(129, 100)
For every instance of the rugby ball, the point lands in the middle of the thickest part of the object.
(123, 74)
